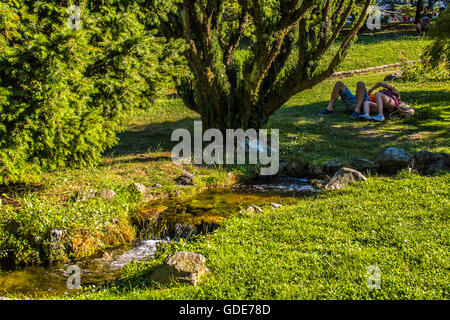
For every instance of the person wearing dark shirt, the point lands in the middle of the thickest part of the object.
(425, 19)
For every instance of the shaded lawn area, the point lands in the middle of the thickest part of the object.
(321, 248)
(305, 136)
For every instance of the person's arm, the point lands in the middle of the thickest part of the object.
(386, 86)
(376, 86)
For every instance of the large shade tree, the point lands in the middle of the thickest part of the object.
(290, 46)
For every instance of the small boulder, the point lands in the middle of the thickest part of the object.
(392, 160)
(185, 179)
(275, 205)
(364, 165)
(84, 195)
(12, 226)
(343, 177)
(56, 235)
(138, 188)
(331, 166)
(254, 209)
(182, 267)
(55, 249)
(429, 163)
(106, 194)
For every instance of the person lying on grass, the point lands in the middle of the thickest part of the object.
(386, 100)
(352, 102)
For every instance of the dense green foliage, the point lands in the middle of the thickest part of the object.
(285, 43)
(64, 93)
(439, 51)
(435, 58)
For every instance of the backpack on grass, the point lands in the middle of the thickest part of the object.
(402, 111)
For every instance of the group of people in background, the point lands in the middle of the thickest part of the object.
(427, 15)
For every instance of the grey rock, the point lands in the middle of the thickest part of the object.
(56, 235)
(392, 160)
(446, 160)
(254, 209)
(275, 205)
(84, 195)
(393, 76)
(364, 165)
(138, 188)
(155, 186)
(12, 226)
(331, 166)
(343, 177)
(426, 162)
(182, 267)
(55, 250)
(185, 179)
(427, 157)
(436, 166)
(106, 194)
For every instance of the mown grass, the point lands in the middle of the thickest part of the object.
(321, 248)
(143, 155)
(307, 137)
(376, 50)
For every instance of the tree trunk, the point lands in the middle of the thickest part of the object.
(420, 6)
(231, 92)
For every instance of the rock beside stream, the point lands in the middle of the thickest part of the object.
(106, 194)
(429, 163)
(88, 194)
(364, 165)
(275, 205)
(186, 179)
(343, 177)
(254, 209)
(182, 267)
(331, 166)
(13, 226)
(392, 160)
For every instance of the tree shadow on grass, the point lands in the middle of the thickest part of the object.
(148, 138)
(305, 134)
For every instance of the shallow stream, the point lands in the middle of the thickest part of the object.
(169, 220)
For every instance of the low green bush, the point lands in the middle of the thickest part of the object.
(64, 92)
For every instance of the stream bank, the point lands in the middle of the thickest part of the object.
(163, 220)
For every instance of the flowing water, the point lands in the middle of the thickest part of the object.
(166, 220)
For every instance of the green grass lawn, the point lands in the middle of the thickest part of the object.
(317, 249)
(376, 50)
(321, 248)
(307, 137)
